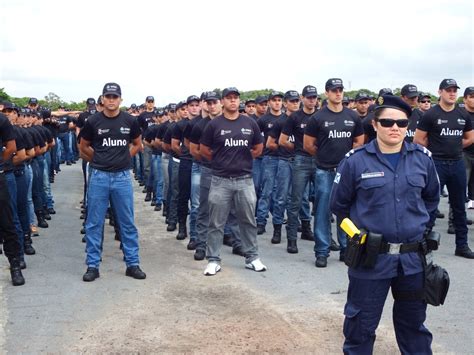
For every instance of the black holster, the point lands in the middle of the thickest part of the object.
(436, 282)
(372, 250)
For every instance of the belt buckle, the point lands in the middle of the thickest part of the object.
(394, 248)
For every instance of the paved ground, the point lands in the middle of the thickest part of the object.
(292, 308)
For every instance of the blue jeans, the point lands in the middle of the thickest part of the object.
(363, 310)
(157, 173)
(304, 168)
(117, 187)
(322, 219)
(46, 183)
(12, 190)
(267, 198)
(65, 147)
(30, 205)
(452, 173)
(283, 187)
(195, 181)
(73, 145)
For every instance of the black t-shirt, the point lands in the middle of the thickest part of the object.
(445, 131)
(195, 137)
(412, 124)
(81, 121)
(110, 139)
(230, 142)
(167, 138)
(150, 136)
(145, 120)
(47, 133)
(369, 130)
(162, 127)
(295, 126)
(41, 138)
(275, 132)
(28, 138)
(20, 145)
(178, 133)
(470, 149)
(334, 133)
(6, 134)
(63, 123)
(265, 123)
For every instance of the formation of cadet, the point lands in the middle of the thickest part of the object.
(211, 143)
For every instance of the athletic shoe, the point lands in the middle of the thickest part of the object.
(256, 265)
(212, 268)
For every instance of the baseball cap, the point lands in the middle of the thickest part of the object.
(192, 98)
(422, 95)
(203, 95)
(45, 113)
(241, 107)
(150, 98)
(99, 100)
(275, 94)
(90, 101)
(391, 101)
(292, 95)
(230, 90)
(345, 100)
(468, 91)
(385, 91)
(309, 91)
(33, 101)
(112, 89)
(362, 96)
(212, 95)
(133, 106)
(249, 101)
(409, 91)
(172, 107)
(180, 104)
(448, 83)
(261, 99)
(333, 83)
(10, 106)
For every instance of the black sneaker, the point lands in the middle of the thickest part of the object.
(192, 244)
(464, 252)
(171, 227)
(158, 208)
(334, 246)
(83, 230)
(17, 276)
(91, 274)
(135, 272)
(260, 229)
(199, 254)
(439, 214)
(321, 261)
(51, 210)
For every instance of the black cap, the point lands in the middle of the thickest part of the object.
(230, 90)
(448, 83)
(261, 99)
(250, 101)
(345, 99)
(203, 95)
(334, 83)
(160, 112)
(112, 89)
(133, 106)
(180, 104)
(310, 91)
(275, 94)
(385, 91)
(362, 96)
(172, 107)
(409, 91)
(192, 98)
(391, 101)
(99, 100)
(422, 95)
(468, 91)
(10, 106)
(292, 95)
(45, 113)
(150, 98)
(241, 107)
(33, 100)
(90, 101)
(212, 95)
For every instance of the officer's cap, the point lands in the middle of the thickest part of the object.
(391, 101)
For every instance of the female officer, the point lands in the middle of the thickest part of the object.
(389, 187)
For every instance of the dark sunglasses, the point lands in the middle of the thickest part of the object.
(425, 101)
(389, 122)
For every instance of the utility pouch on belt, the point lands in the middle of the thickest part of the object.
(355, 243)
(436, 281)
(372, 250)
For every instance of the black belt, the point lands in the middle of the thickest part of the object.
(327, 169)
(399, 248)
(248, 176)
(287, 159)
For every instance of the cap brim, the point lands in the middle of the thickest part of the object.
(411, 95)
(111, 93)
(232, 92)
(451, 86)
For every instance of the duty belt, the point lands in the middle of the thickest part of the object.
(399, 248)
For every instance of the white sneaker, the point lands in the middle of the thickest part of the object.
(212, 268)
(256, 265)
(470, 205)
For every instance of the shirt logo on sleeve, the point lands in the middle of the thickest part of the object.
(372, 175)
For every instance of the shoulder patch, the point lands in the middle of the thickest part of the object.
(352, 151)
(424, 150)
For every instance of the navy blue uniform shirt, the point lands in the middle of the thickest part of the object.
(397, 203)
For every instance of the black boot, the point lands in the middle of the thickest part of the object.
(291, 247)
(260, 229)
(276, 239)
(46, 214)
(148, 194)
(306, 232)
(182, 230)
(153, 199)
(28, 245)
(15, 272)
(41, 220)
(165, 209)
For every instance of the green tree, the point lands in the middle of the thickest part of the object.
(3, 95)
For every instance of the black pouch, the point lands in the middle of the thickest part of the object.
(354, 252)
(436, 282)
(372, 250)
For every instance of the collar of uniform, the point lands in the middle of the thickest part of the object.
(373, 147)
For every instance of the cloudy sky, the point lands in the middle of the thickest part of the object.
(176, 48)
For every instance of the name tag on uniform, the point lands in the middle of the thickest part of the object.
(372, 175)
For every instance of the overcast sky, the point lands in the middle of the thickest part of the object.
(172, 49)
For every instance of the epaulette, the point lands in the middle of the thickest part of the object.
(423, 149)
(352, 151)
